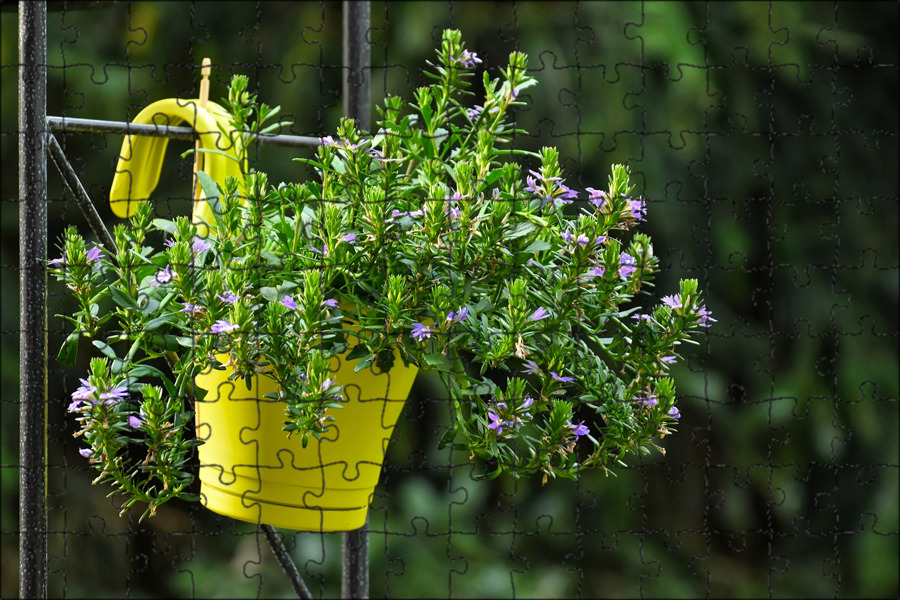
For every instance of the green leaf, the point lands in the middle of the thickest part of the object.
(105, 349)
(145, 371)
(213, 193)
(68, 352)
(520, 230)
(123, 299)
(537, 246)
(158, 322)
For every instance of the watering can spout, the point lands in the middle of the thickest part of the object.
(141, 158)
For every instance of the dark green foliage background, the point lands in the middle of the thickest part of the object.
(765, 139)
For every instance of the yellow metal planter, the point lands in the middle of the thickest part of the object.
(251, 471)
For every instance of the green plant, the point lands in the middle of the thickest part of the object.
(430, 237)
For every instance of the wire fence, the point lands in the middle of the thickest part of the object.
(764, 137)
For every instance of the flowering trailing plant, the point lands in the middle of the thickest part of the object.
(436, 241)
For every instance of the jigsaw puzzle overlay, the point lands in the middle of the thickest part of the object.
(764, 140)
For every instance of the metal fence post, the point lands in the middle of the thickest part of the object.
(357, 105)
(33, 299)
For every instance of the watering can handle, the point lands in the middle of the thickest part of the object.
(141, 158)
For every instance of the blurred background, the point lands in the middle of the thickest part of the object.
(765, 140)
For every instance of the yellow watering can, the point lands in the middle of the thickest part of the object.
(141, 158)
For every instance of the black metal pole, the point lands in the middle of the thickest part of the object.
(32, 299)
(357, 60)
(358, 106)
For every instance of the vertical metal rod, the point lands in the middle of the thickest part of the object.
(357, 105)
(357, 60)
(32, 299)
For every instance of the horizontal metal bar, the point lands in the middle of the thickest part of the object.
(67, 124)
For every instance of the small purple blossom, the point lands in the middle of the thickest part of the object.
(456, 317)
(467, 59)
(641, 317)
(598, 271)
(526, 404)
(223, 326)
(627, 265)
(669, 360)
(705, 317)
(161, 277)
(288, 302)
(582, 240)
(327, 140)
(420, 331)
(531, 367)
(539, 314)
(93, 254)
(323, 251)
(85, 452)
(563, 379)
(134, 422)
(579, 430)
(567, 236)
(57, 261)
(672, 301)
(229, 297)
(326, 384)
(330, 303)
(568, 194)
(75, 405)
(600, 240)
(200, 245)
(597, 197)
(650, 400)
(192, 309)
(85, 391)
(638, 209)
(350, 238)
(496, 423)
(113, 396)
(673, 412)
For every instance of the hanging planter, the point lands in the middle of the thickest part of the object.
(251, 471)
(426, 244)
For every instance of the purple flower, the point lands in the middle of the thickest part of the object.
(474, 112)
(650, 400)
(672, 301)
(420, 331)
(323, 251)
(597, 197)
(161, 277)
(57, 261)
(600, 240)
(75, 405)
(531, 367)
(350, 238)
(326, 384)
(705, 317)
(134, 422)
(93, 254)
(458, 315)
(579, 430)
(113, 396)
(598, 271)
(540, 313)
(582, 240)
(567, 236)
(327, 140)
(673, 412)
(229, 297)
(626, 265)
(560, 378)
(85, 392)
(467, 59)
(638, 209)
(640, 317)
(222, 326)
(568, 194)
(526, 404)
(85, 452)
(201, 245)
(330, 303)
(288, 302)
(191, 308)
(496, 423)
(669, 360)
